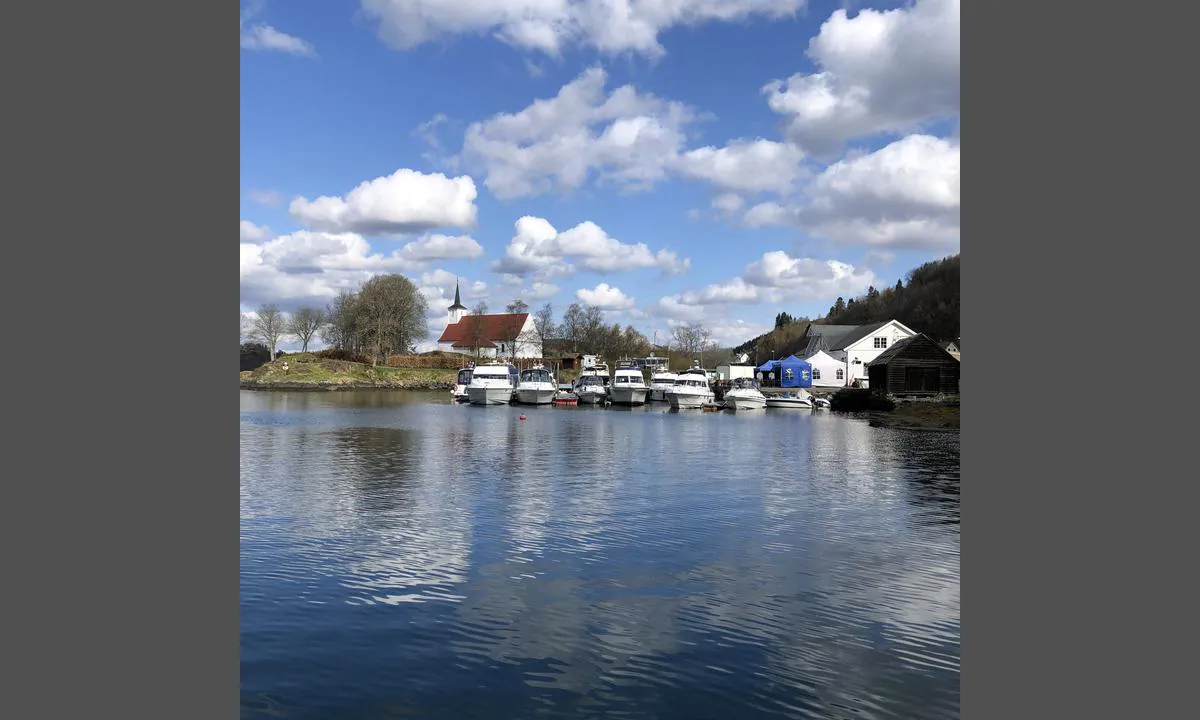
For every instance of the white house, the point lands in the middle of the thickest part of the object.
(501, 335)
(867, 343)
(853, 346)
(828, 368)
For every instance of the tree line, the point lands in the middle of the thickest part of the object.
(387, 316)
(927, 301)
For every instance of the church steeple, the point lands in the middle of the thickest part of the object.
(457, 310)
(457, 301)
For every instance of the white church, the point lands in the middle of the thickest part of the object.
(502, 335)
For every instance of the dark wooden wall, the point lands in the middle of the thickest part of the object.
(918, 353)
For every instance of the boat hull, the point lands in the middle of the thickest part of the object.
(789, 403)
(657, 394)
(590, 397)
(629, 395)
(685, 401)
(535, 396)
(489, 395)
(745, 402)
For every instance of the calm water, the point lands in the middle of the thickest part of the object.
(406, 557)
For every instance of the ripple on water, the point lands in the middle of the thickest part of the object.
(417, 558)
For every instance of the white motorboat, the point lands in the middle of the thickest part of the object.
(660, 382)
(459, 391)
(590, 389)
(628, 385)
(745, 395)
(690, 390)
(492, 384)
(536, 387)
(820, 402)
(790, 400)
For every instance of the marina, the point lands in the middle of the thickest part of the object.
(499, 383)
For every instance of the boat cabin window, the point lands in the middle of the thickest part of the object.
(464, 377)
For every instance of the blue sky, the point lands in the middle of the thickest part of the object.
(671, 161)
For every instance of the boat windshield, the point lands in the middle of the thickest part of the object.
(591, 380)
(745, 383)
(464, 377)
(535, 376)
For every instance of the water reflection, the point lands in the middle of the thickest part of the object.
(448, 561)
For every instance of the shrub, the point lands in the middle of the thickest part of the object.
(858, 400)
(428, 361)
(335, 354)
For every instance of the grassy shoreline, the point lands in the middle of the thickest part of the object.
(306, 372)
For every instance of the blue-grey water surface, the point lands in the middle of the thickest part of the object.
(406, 557)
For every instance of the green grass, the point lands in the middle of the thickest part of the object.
(304, 369)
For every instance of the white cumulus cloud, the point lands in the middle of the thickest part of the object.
(252, 233)
(261, 36)
(404, 202)
(442, 247)
(552, 26)
(883, 71)
(776, 277)
(538, 249)
(625, 138)
(605, 297)
(905, 195)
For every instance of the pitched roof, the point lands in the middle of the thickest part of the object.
(822, 337)
(839, 355)
(857, 334)
(899, 345)
(499, 327)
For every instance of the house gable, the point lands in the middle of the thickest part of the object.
(909, 343)
(863, 338)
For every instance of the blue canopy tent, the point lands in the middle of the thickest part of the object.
(794, 372)
(763, 371)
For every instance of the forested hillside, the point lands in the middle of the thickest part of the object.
(926, 301)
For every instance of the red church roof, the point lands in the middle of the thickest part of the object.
(502, 327)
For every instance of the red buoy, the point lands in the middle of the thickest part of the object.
(522, 416)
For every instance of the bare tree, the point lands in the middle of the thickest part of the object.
(516, 307)
(339, 330)
(691, 339)
(572, 325)
(543, 325)
(268, 326)
(475, 329)
(390, 316)
(304, 323)
(595, 333)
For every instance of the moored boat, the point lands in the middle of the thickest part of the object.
(745, 395)
(536, 387)
(790, 400)
(459, 391)
(690, 390)
(628, 385)
(660, 382)
(492, 384)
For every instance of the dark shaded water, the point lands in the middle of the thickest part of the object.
(406, 557)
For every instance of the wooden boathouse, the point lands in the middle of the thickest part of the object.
(914, 366)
